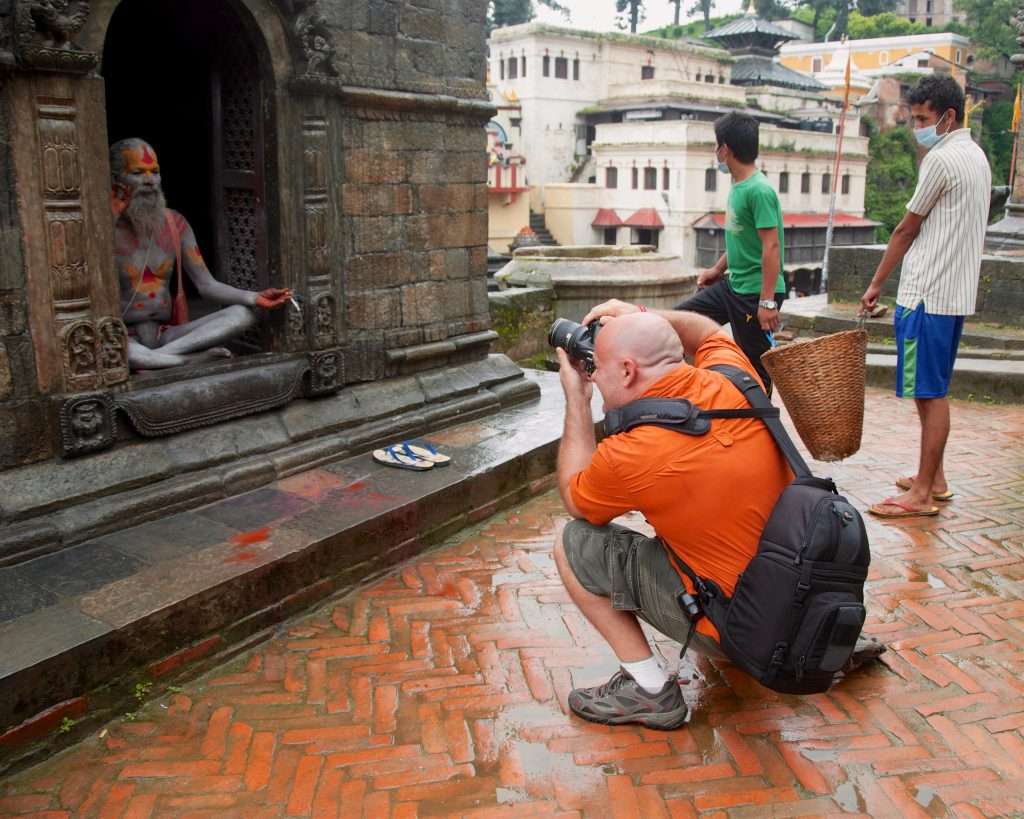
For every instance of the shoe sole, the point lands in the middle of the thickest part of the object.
(669, 721)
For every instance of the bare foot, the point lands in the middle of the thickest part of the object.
(212, 354)
(940, 489)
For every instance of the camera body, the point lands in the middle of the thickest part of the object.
(576, 339)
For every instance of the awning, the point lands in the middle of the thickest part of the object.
(795, 220)
(645, 218)
(606, 218)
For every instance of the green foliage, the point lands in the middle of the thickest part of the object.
(66, 725)
(513, 12)
(703, 7)
(141, 691)
(869, 8)
(892, 175)
(996, 139)
(886, 24)
(989, 25)
(818, 13)
(772, 9)
(695, 29)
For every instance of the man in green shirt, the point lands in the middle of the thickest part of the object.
(750, 296)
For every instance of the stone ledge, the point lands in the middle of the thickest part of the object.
(90, 495)
(174, 594)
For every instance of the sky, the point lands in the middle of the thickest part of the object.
(599, 15)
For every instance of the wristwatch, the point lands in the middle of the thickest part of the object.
(768, 304)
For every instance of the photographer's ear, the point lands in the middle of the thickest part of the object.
(629, 372)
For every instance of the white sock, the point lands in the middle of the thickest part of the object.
(648, 674)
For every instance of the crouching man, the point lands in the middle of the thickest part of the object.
(708, 498)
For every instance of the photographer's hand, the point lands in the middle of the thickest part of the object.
(611, 309)
(575, 384)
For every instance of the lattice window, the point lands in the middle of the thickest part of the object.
(241, 107)
(241, 269)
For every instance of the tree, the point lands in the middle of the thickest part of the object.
(989, 21)
(892, 176)
(513, 12)
(997, 140)
(869, 8)
(678, 4)
(704, 7)
(636, 12)
(772, 9)
(885, 24)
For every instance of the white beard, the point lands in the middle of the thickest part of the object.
(146, 214)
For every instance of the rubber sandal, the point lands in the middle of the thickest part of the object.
(425, 452)
(878, 510)
(906, 483)
(393, 456)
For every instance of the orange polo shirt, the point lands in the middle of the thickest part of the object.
(707, 496)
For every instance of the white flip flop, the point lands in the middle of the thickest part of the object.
(393, 456)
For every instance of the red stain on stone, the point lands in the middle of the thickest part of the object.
(242, 557)
(248, 538)
(357, 485)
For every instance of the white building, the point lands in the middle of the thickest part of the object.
(617, 132)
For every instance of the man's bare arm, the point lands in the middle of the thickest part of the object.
(899, 243)
(578, 443)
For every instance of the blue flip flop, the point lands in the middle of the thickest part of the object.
(393, 456)
(425, 451)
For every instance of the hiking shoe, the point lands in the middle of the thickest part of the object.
(622, 700)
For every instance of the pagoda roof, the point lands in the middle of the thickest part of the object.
(759, 70)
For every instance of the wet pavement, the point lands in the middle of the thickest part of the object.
(440, 690)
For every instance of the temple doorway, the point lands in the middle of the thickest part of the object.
(187, 76)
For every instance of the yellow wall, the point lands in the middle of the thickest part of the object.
(506, 219)
(868, 59)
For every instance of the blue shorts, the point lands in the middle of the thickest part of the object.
(926, 346)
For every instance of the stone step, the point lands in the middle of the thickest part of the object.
(974, 379)
(79, 628)
(816, 314)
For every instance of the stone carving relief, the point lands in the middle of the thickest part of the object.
(326, 324)
(6, 44)
(325, 373)
(297, 326)
(45, 31)
(80, 346)
(113, 340)
(86, 424)
(315, 38)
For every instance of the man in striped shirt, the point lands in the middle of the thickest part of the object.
(939, 241)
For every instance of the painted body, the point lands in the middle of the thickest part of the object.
(145, 254)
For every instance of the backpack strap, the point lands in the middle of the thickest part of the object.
(747, 384)
(676, 414)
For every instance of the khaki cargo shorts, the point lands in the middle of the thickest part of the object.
(634, 571)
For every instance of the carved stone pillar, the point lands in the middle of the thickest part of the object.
(58, 148)
(322, 311)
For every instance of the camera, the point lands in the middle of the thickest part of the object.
(576, 339)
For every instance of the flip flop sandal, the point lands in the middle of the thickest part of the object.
(906, 483)
(878, 510)
(393, 456)
(425, 452)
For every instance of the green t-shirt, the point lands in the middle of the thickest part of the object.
(752, 205)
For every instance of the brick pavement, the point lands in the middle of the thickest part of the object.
(440, 691)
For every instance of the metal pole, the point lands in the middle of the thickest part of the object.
(835, 173)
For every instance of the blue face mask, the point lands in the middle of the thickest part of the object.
(723, 167)
(929, 135)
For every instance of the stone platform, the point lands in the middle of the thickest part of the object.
(989, 365)
(440, 690)
(78, 628)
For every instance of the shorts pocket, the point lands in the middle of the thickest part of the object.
(623, 571)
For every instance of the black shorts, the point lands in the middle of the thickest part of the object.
(721, 303)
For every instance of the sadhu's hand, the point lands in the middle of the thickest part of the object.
(120, 197)
(272, 298)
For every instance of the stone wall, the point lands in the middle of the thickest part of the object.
(522, 317)
(414, 206)
(1000, 289)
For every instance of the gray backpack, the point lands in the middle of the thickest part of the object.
(797, 610)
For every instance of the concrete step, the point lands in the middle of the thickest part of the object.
(79, 628)
(974, 379)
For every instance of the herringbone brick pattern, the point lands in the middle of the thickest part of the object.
(441, 690)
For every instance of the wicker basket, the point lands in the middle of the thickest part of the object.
(821, 381)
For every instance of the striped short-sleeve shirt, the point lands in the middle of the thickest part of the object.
(944, 262)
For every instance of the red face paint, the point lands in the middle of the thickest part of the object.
(147, 157)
